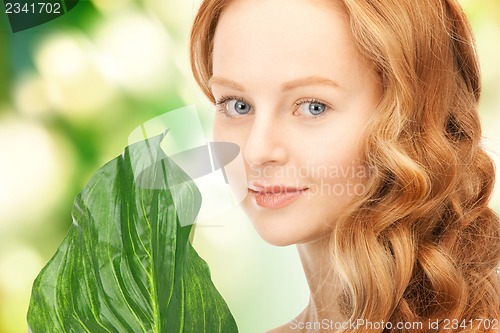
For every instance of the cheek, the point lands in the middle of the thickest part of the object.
(224, 132)
(218, 132)
(237, 134)
(235, 171)
(335, 152)
(337, 171)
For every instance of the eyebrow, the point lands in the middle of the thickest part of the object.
(306, 81)
(310, 80)
(225, 82)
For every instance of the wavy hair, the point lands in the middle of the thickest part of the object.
(421, 244)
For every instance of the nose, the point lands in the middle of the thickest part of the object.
(266, 143)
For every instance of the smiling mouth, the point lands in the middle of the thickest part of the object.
(273, 197)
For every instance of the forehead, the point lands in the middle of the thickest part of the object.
(285, 38)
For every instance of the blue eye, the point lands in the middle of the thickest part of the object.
(238, 106)
(310, 108)
(316, 108)
(233, 107)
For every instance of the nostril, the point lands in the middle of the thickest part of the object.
(265, 145)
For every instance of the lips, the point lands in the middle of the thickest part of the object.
(275, 196)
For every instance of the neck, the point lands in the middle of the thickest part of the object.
(322, 280)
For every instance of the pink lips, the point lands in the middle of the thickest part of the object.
(275, 196)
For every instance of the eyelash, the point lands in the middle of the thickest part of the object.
(222, 102)
(223, 99)
(313, 101)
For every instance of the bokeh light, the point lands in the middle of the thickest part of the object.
(31, 95)
(18, 265)
(33, 172)
(137, 47)
(73, 80)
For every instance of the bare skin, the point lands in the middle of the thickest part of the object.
(295, 94)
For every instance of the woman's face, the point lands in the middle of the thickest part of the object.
(295, 94)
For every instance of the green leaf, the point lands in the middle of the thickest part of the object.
(127, 264)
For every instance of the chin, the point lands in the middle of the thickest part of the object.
(277, 241)
(282, 238)
(284, 227)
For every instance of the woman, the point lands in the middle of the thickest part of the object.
(358, 124)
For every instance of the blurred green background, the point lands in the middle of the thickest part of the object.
(72, 91)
